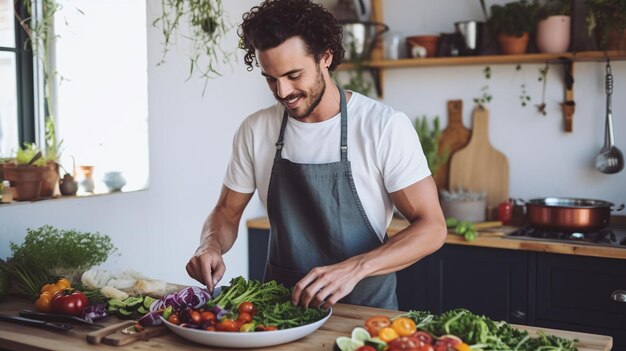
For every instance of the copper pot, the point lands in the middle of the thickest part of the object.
(569, 213)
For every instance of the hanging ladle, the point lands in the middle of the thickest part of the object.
(610, 159)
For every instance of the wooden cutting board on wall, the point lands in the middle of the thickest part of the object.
(479, 166)
(453, 138)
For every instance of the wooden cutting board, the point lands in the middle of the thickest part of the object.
(453, 138)
(479, 166)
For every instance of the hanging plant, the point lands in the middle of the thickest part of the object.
(206, 29)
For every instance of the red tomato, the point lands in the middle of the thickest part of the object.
(270, 328)
(376, 323)
(194, 317)
(404, 343)
(69, 302)
(423, 336)
(208, 316)
(245, 317)
(227, 325)
(404, 326)
(427, 347)
(366, 348)
(210, 328)
(173, 318)
(247, 307)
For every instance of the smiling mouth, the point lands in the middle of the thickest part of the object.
(292, 101)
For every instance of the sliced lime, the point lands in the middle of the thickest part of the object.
(360, 334)
(347, 344)
(376, 343)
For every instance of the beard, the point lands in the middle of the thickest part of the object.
(311, 98)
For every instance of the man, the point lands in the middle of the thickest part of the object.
(329, 167)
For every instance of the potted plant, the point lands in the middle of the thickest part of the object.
(26, 173)
(512, 24)
(607, 19)
(553, 27)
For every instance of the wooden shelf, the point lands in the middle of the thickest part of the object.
(492, 59)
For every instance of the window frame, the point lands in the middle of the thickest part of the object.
(23, 77)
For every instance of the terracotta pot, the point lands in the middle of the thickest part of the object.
(553, 34)
(512, 45)
(614, 40)
(50, 179)
(428, 42)
(25, 180)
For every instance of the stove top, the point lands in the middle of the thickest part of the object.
(610, 236)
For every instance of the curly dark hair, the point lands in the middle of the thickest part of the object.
(271, 23)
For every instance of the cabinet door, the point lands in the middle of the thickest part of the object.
(486, 281)
(577, 290)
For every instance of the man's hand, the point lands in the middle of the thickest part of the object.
(207, 266)
(324, 286)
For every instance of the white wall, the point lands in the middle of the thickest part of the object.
(157, 229)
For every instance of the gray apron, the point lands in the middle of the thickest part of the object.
(317, 219)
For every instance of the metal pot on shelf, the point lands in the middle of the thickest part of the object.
(571, 214)
(359, 38)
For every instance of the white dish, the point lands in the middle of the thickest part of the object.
(246, 340)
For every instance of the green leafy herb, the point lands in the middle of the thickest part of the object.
(240, 290)
(62, 252)
(486, 334)
(285, 315)
(429, 138)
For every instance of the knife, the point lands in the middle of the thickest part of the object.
(55, 317)
(35, 322)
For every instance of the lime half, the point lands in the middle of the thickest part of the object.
(360, 334)
(345, 343)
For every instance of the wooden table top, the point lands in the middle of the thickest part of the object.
(343, 320)
(496, 238)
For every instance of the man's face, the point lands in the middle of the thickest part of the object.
(294, 77)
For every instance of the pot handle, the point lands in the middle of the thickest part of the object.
(621, 207)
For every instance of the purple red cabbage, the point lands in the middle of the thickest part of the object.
(189, 297)
(95, 311)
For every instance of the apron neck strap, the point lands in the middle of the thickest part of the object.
(344, 127)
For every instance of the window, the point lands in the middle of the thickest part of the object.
(16, 111)
(98, 88)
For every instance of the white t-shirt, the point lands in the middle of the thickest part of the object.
(383, 149)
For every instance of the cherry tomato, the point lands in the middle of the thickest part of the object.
(423, 336)
(245, 317)
(210, 328)
(462, 347)
(387, 334)
(259, 327)
(247, 307)
(427, 347)
(173, 318)
(366, 348)
(69, 302)
(405, 343)
(404, 326)
(227, 325)
(195, 317)
(376, 323)
(270, 328)
(208, 316)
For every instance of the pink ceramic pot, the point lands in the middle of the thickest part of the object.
(553, 34)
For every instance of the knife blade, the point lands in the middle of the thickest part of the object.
(55, 317)
(35, 322)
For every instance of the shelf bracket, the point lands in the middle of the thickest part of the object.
(569, 105)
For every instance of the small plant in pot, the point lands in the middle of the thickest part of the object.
(513, 23)
(26, 173)
(429, 138)
(553, 28)
(607, 20)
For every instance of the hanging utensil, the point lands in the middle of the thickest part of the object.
(610, 159)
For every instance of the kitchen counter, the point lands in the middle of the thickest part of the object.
(341, 323)
(496, 238)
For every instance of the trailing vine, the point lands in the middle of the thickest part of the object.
(207, 28)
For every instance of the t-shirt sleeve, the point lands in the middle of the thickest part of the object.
(401, 156)
(240, 172)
